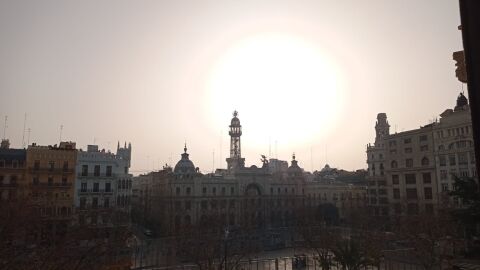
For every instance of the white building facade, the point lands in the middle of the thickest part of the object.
(103, 184)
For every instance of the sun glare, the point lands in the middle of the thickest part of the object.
(284, 88)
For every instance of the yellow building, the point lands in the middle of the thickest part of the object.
(50, 174)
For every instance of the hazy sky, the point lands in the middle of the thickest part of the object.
(303, 74)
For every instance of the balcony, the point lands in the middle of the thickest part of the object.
(51, 171)
(51, 185)
(9, 185)
(93, 175)
(91, 191)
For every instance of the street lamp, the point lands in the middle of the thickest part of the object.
(225, 240)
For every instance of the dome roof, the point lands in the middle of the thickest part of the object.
(294, 168)
(235, 121)
(184, 165)
(461, 101)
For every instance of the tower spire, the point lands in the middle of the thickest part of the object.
(235, 160)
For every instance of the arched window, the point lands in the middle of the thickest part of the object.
(394, 164)
(425, 161)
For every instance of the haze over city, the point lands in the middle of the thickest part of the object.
(305, 76)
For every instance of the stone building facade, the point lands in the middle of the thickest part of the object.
(264, 197)
(410, 172)
(12, 172)
(50, 174)
(103, 184)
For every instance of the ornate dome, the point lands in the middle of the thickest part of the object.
(235, 121)
(294, 169)
(184, 165)
(461, 101)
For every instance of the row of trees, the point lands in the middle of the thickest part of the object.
(28, 242)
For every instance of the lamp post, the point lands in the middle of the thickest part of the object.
(225, 249)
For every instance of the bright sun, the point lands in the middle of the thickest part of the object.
(284, 88)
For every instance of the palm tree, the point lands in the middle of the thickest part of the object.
(349, 255)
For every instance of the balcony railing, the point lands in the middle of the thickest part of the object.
(92, 191)
(8, 185)
(101, 175)
(51, 185)
(50, 170)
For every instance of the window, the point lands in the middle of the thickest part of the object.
(178, 205)
(382, 183)
(394, 164)
(408, 150)
(393, 151)
(83, 202)
(382, 192)
(410, 179)
(396, 193)
(109, 171)
(108, 187)
(96, 187)
(232, 190)
(94, 203)
(422, 138)
(203, 205)
(392, 143)
(204, 190)
(452, 160)
(427, 178)
(213, 204)
(428, 193)
(395, 179)
(462, 158)
(84, 170)
(106, 202)
(411, 193)
(424, 148)
(425, 161)
(35, 180)
(2, 163)
(231, 204)
(443, 174)
(51, 165)
(83, 187)
(214, 191)
(189, 190)
(96, 170)
(64, 181)
(409, 163)
(429, 208)
(177, 190)
(223, 190)
(407, 140)
(188, 205)
(444, 187)
(36, 165)
(65, 166)
(443, 160)
(412, 209)
(50, 181)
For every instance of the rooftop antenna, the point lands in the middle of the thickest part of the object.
(276, 156)
(269, 148)
(395, 128)
(213, 161)
(221, 141)
(61, 130)
(23, 134)
(94, 140)
(28, 136)
(311, 158)
(326, 154)
(170, 159)
(5, 127)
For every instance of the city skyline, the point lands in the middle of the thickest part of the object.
(146, 76)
